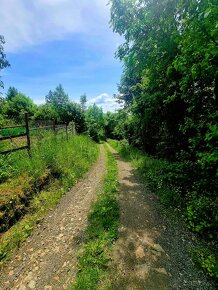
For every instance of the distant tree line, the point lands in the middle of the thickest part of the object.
(58, 106)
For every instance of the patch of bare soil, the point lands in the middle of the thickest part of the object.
(47, 260)
(152, 251)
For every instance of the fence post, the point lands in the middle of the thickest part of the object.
(54, 129)
(28, 132)
(66, 131)
(54, 126)
(73, 128)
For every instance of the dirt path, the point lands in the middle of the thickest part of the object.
(47, 260)
(152, 250)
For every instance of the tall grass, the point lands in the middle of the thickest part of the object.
(62, 158)
(30, 186)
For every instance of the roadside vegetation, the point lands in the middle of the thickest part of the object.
(31, 186)
(101, 232)
(165, 178)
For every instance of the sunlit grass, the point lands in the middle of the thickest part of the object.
(30, 186)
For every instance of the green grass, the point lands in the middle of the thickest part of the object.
(31, 186)
(61, 158)
(101, 232)
(12, 131)
(155, 172)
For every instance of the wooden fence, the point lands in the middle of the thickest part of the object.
(54, 127)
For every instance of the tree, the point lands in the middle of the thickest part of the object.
(11, 93)
(110, 124)
(83, 101)
(170, 78)
(3, 62)
(59, 100)
(65, 110)
(45, 112)
(76, 113)
(2, 111)
(94, 117)
(20, 104)
(116, 125)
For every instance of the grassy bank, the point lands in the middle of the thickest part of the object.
(101, 232)
(31, 186)
(171, 182)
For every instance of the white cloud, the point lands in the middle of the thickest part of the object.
(107, 102)
(25, 23)
(52, 2)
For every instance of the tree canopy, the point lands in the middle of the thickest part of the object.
(18, 105)
(170, 78)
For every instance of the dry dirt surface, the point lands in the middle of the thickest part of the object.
(152, 251)
(47, 260)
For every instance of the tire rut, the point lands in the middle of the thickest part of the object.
(47, 259)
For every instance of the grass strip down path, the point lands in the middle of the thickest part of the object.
(101, 232)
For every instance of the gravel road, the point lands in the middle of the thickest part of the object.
(152, 251)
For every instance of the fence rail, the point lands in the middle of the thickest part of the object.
(2, 138)
(54, 127)
(13, 150)
(12, 127)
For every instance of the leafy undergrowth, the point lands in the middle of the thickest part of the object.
(101, 232)
(171, 182)
(34, 185)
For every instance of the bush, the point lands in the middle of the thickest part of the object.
(207, 260)
(201, 215)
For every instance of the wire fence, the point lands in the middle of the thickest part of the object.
(20, 132)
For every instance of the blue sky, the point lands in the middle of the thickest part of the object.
(61, 41)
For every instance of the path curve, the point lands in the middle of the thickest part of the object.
(47, 260)
(152, 251)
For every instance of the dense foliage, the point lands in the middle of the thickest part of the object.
(170, 87)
